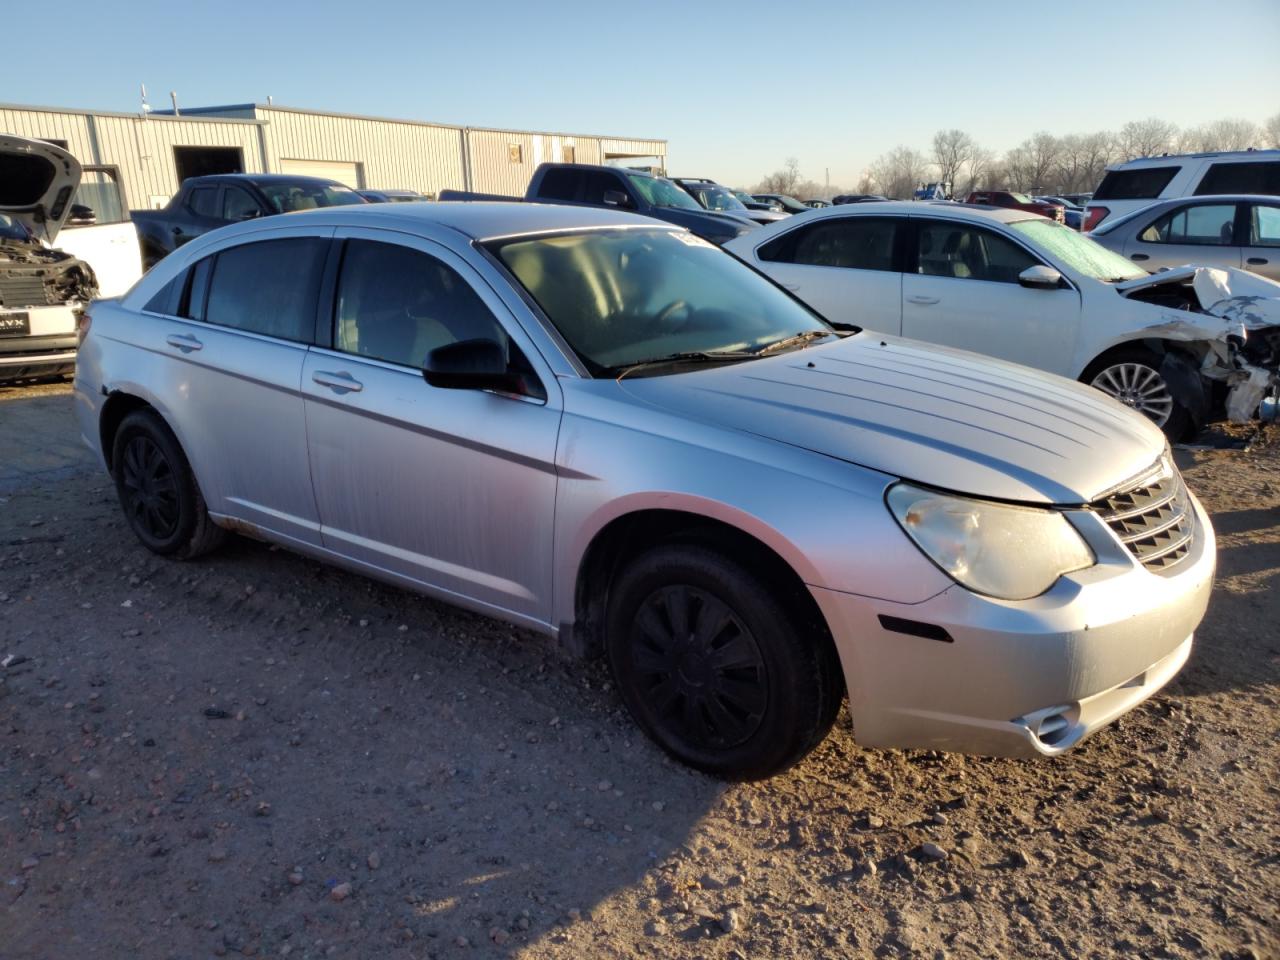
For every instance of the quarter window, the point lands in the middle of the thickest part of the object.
(268, 287)
(1209, 224)
(204, 201)
(1143, 183)
(1264, 230)
(954, 250)
(1263, 178)
(857, 243)
(398, 304)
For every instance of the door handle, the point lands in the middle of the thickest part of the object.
(1256, 261)
(1139, 256)
(341, 382)
(922, 299)
(177, 231)
(184, 342)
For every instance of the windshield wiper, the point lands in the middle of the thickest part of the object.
(688, 356)
(797, 340)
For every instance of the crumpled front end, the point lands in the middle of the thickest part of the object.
(35, 276)
(1236, 314)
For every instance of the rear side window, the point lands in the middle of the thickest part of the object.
(1263, 178)
(1264, 227)
(204, 201)
(1144, 183)
(856, 243)
(268, 287)
(1205, 224)
(559, 184)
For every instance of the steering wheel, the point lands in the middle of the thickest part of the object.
(665, 314)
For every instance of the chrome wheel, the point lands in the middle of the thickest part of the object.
(1138, 386)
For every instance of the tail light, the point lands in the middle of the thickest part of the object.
(1096, 216)
(83, 321)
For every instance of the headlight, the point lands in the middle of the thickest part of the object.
(1012, 553)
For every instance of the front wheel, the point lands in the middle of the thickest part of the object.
(716, 667)
(1133, 377)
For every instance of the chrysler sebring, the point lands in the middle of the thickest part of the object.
(603, 428)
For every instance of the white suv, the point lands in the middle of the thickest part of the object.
(1133, 185)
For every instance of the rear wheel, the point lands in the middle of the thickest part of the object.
(158, 491)
(1133, 377)
(715, 667)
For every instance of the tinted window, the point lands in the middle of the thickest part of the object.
(268, 287)
(204, 201)
(238, 204)
(969, 253)
(860, 243)
(1264, 228)
(596, 183)
(1140, 184)
(166, 300)
(1207, 224)
(100, 192)
(559, 184)
(1261, 178)
(398, 304)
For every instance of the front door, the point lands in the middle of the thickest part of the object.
(964, 292)
(452, 489)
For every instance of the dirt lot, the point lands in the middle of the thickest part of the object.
(257, 755)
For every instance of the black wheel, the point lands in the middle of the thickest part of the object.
(157, 490)
(1133, 377)
(724, 674)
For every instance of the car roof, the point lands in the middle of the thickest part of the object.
(482, 219)
(965, 211)
(269, 178)
(1261, 155)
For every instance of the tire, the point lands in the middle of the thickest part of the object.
(157, 490)
(744, 688)
(1133, 377)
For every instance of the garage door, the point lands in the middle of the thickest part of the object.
(346, 173)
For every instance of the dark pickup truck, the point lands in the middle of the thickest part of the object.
(634, 190)
(206, 203)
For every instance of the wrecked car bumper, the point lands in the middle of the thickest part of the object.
(47, 349)
(967, 673)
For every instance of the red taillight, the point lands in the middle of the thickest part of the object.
(1096, 216)
(82, 328)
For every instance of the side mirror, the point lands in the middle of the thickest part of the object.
(471, 365)
(1040, 277)
(252, 214)
(616, 198)
(82, 214)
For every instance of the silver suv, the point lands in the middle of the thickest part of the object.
(601, 427)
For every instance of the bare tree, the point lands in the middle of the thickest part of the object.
(781, 181)
(951, 151)
(1043, 154)
(898, 171)
(1146, 138)
(978, 171)
(1232, 134)
(1272, 131)
(1098, 150)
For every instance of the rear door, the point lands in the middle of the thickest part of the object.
(450, 489)
(847, 268)
(1201, 233)
(1262, 253)
(230, 334)
(963, 291)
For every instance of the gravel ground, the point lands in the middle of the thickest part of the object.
(257, 755)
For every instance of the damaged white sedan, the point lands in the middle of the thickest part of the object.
(1020, 287)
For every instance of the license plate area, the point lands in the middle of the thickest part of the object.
(15, 324)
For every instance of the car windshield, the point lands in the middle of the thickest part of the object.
(11, 229)
(1020, 198)
(744, 197)
(286, 196)
(1078, 252)
(791, 203)
(719, 198)
(622, 297)
(662, 193)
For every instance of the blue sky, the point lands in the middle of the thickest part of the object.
(735, 87)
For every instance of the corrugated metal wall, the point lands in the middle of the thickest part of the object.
(392, 154)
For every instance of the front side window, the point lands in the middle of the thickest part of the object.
(203, 201)
(100, 192)
(620, 297)
(269, 287)
(1082, 254)
(1144, 183)
(1264, 228)
(856, 243)
(948, 249)
(1258, 178)
(397, 304)
(1208, 224)
(238, 204)
(286, 196)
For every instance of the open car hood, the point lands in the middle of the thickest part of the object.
(37, 182)
(938, 416)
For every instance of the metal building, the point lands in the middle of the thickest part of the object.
(149, 154)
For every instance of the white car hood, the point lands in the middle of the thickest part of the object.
(1240, 298)
(943, 417)
(37, 182)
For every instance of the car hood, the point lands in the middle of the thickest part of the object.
(933, 415)
(37, 182)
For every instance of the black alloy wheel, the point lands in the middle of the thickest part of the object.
(149, 489)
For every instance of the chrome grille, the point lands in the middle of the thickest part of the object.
(1152, 517)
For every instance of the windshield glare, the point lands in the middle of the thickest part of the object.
(1078, 252)
(718, 198)
(662, 193)
(619, 297)
(287, 197)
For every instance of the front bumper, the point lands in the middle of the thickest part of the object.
(1025, 678)
(34, 356)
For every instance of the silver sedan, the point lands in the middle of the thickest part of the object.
(603, 428)
(1211, 231)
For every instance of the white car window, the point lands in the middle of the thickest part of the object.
(1265, 229)
(960, 251)
(1210, 224)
